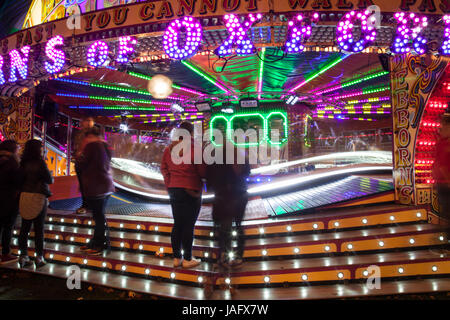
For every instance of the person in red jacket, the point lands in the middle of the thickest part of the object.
(441, 172)
(184, 185)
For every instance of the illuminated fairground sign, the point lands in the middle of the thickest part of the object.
(183, 33)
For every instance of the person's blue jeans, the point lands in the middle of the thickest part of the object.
(100, 239)
(185, 210)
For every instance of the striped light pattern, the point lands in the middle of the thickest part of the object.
(173, 118)
(353, 82)
(157, 115)
(319, 72)
(125, 108)
(361, 92)
(206, 76)
(340, 117)
(86, 96)
(175, 86)
(261, 72)
(117, 88)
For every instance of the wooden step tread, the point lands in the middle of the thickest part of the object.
(259, 267)
(341, 236)
(325, 215)
(176, 291)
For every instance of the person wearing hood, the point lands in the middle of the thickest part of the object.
(9, 192)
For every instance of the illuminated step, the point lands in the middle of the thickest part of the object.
(177, 291)
(400, 237)
(360, 267)
(142, 265)
(337, 219)
(295, 271)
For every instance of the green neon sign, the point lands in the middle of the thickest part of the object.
(266, 127)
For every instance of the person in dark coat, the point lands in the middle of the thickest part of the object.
(229, 184)
(35, 178)
(9, 192)
(86, 125)
(97, 183)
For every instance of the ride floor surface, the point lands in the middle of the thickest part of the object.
(334, 192)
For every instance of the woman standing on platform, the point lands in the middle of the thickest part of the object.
(35, 178)
(9, 191)
(97, 184)
(184, 185)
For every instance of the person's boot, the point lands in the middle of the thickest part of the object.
(40, 261)
(24, 261)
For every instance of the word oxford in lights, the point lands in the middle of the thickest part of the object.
(408, 39)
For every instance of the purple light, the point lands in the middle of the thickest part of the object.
(299, 31)
(19, 64)
(445, 47)
(193, 38)
(99, 48)
(125, 50)
(344, 32)
(408, 29)
(237, 34)
(2, 77)
(57, 56)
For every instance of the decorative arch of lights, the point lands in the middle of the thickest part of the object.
(180, 29)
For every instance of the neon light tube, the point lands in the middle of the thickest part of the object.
(302, 180)
(117, 88)
(352, 82)
(206, 76)
(175, 86)
(382, 155)
(313, 76)
(261, 71)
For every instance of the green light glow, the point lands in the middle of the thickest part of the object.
(261, 71)
(285, 122)
(319, 72)
(246, 115)
(204, 75)
(265, 120)
(366, 78)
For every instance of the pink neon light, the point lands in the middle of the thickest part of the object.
(2, 77)
(237, 34)
(19, 64)
(125, 50)
(408, 28)
(344, 32)
(97, 53)
(193, 38)
(299, 31)
(57, 56)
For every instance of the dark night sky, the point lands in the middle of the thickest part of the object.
(12, 15)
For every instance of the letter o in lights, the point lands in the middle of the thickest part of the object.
(344, 32)
(192, 42)
(97, 54)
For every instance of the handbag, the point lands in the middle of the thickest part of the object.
(31, 204)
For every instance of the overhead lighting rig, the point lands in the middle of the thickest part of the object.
(292, 100)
